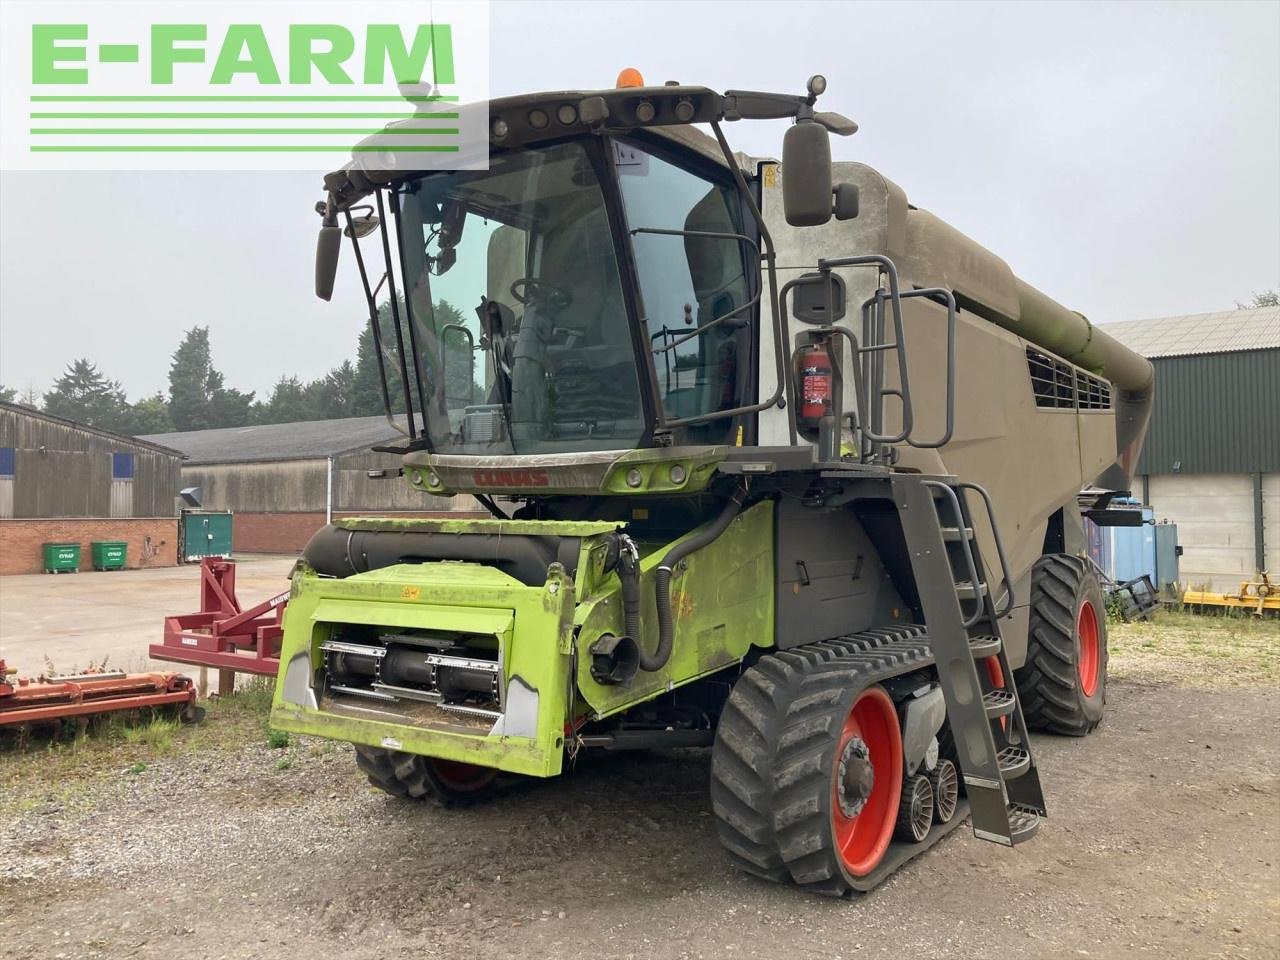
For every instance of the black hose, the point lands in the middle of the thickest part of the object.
(662, 583)
(629, 574)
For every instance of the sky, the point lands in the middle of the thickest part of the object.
(1124, 158)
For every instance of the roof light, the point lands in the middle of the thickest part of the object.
(630, 77)
(567, 114)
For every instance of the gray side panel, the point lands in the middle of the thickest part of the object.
(830, 579)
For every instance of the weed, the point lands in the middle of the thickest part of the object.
(277, 739)
(284, 763)
(138, 767)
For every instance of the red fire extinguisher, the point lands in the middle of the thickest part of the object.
(813, 375)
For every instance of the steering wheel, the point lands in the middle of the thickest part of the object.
(529, 290)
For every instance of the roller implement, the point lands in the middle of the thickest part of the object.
(45, 700)
(778, 464)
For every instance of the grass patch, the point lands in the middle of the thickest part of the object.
(1199, 649)
(59, 762)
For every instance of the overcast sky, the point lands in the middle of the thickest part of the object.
(1125, 158)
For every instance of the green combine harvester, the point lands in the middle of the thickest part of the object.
(778, 464)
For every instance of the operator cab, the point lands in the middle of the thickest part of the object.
(547, 292)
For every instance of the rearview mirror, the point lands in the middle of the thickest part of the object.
(806, 174)
(328, 246)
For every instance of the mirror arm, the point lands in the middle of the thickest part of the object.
(371, 296)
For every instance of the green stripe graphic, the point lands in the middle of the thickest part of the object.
(236, 131)
(244, 116)
(239, 99)
(243, 148)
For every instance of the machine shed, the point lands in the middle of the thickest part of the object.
(283, 481)
(1211, 462)
(71, 483)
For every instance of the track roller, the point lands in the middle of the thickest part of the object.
(915, 810)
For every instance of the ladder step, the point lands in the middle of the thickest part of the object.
(1024, 821)
(999, 703)
(1014, 762)
(983, 647)
(955, 534)
(965, 590)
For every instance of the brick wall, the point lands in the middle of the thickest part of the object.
(22, 541)
(289, 532)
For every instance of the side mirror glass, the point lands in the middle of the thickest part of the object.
(328, 246)
(806, 174)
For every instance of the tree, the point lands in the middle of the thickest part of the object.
(8, 394)
(287, 404)
(198, 397)
(83, 394)
(1267, 298)
(332, 397)
(149, 415)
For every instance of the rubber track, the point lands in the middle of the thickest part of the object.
(1048, 684)
(771, 765)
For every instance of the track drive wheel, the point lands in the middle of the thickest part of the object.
(806, 773)
(1063, 685)
(447, 782)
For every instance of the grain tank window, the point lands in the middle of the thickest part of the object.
(122, 466)
(1057, 385)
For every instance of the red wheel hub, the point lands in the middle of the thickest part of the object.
(870, 738)
(463, 777)
(1087, 660)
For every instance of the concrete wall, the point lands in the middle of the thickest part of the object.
(1271, 522)
(22, 541)
(1215, 518)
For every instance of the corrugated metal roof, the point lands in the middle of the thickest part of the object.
(23, 410)
(1226, 331)
(280, 441)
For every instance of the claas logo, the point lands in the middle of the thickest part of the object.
(511, 478)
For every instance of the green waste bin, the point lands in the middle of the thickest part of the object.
(61, 557)
(109, 554)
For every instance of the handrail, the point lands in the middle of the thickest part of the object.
(1006, 574)
(971, 566)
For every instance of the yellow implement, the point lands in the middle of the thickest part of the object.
(1257, 596)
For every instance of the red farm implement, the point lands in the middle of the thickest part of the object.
(222, 634)
(49, 699)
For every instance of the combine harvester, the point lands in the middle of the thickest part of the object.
(779, 464)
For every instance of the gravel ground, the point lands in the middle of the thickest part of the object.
(1164, 841)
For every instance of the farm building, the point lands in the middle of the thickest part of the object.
(1211, 462)
(65, 482)
(283, 481)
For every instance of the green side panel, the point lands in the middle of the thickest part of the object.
(722, 600)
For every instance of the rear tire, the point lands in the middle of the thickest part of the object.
(1063, 685)
(446, 782)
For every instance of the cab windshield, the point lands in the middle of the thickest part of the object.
(512, 282)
